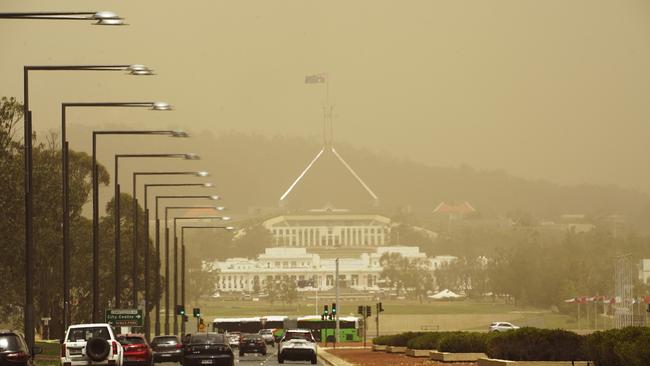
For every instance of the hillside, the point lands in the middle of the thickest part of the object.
(259, 169)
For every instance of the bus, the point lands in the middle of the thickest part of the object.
(244, 325)
(323, 330)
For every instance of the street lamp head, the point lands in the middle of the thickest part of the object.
(180, 134)
(161, 106)
(202, 173)
(230, 228)
(192, 156)
(208, 185)
(226, 218)
(215, 198)
(105, 15)
(139, 70)
(219, 208)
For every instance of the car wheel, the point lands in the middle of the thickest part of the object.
(280, 359)
(241, 354)
(314, 360)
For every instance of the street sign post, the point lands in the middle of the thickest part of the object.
(124, 317)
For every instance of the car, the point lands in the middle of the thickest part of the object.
(502, 327)
(298, 345)
(14, 350)
(167, 348)
(91, 344)
(136, 350)
(233, 338)
(267, 335)
(252, 343)
(208, 349)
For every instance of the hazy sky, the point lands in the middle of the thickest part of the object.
(553, 89)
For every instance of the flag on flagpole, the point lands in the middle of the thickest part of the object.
(315, 79)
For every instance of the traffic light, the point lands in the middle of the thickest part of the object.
(180, 310)
(325, 313)
(379, 308)
(333, 309)
(368, 310)
(197, 312)
(360, 310)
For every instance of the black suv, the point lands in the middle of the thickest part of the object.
(251, 343)
(14, 350)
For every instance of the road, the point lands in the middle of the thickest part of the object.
(271, 359)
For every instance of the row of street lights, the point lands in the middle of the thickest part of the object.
(100, 18)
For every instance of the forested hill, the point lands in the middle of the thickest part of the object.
(253, 170)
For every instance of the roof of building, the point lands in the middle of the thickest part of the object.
(462, 208)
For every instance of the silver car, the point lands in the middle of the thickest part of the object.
(502, 327)
(267, 335)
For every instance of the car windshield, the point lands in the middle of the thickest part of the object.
(207, 338)
(299, 335)
(9, 342)
(266, 331)
(86, 333)
(165, 340)
(131, 340)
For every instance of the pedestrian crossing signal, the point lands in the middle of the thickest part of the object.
(197, 312)
(180, 310)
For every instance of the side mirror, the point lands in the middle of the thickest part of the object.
(36, 351)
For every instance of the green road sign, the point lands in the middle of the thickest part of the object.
(124, 317)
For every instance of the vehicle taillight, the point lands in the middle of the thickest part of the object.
(17, 356)
(179, 345)
(114, 347)
(188, 349)
(62, 349)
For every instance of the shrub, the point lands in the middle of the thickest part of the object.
(464, 342)
(627, 346)
(429, 340)
(532, 344)
(396, 340)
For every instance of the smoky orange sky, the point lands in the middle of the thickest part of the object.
(552, 89)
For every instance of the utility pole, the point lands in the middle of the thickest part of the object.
(336, 332)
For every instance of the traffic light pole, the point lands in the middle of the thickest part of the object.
(336, 315)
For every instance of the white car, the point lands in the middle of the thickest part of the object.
(502, 327)
(233, 339)
(91, 344)
(298, 345)
(267, 335)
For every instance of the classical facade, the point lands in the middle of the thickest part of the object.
(360, 273)
(329, 228)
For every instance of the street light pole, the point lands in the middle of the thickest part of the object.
(156, 106)
(102, 18)
(95, 193)
(116, 212)
(225, 218)
(157, 248)
(175, 257)
(229, 228)
(213, 197)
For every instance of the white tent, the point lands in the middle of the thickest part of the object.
(444, 294)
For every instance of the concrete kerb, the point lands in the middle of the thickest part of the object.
(332, 360)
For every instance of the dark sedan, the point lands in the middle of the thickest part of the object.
(14, 350)
(251, 343)
(208, 349)
(167, 348)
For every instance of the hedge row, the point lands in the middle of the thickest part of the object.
(628, 346)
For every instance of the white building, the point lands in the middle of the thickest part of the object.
(644, 270)
(359, 273)
(329, 228)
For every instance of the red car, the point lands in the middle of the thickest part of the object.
(136, 350)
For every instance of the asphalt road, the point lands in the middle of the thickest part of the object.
(271, 359)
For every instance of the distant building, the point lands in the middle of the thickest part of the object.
(329, 228)
(644, 271)
(454, 211)
(360, 273)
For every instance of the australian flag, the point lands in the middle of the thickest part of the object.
(315, 79)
